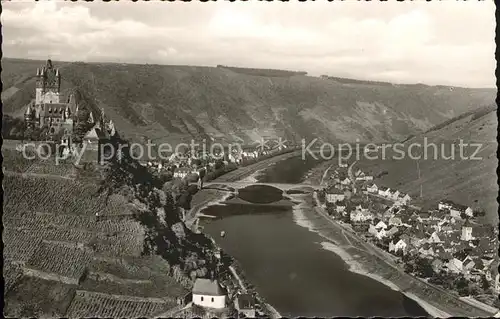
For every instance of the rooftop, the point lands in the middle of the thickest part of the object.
(203, 286)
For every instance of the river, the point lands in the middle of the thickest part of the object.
(288, 265)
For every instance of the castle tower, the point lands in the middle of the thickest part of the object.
(48, 84)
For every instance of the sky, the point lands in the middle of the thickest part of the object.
(439, 42)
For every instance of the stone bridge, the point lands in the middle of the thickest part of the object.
(239, 185)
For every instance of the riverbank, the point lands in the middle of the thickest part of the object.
(365, 259)
(208, 197)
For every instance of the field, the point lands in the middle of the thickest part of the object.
(86, 304)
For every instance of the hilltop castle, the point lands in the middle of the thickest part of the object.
(59, 118)
(47, 109)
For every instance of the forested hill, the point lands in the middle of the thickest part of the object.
(174, 103)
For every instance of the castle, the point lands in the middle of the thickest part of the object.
(47, 109)
(60, 119)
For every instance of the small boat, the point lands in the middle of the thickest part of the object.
(222, 233)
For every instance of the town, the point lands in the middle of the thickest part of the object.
(448, 246)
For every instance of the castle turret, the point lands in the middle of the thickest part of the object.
(67, 112)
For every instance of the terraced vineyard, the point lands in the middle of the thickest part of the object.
(11, 273)
(19, 246)
(14, 161)
(88, 304)
(57, 196)
(50, 167)
(36, 297)
(60, 260)
(55, 244)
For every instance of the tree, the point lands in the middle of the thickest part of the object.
(484, 283)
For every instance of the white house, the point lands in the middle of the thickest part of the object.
(360, 215)
(384, 191)
(208, 293)
(395, 221)
(400, 245)
(372, 189)
(445, 204)
(364, 178)
(394, 195)
(334, 195)
(434, 238)
(404, 198)
(466, 233)
(455, 209)
(345, 181)
(455, 266)
(381, 225)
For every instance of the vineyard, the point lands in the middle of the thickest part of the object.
(19, 246)
(121, 238)
(87, 304)
(49, 167)
(57, 196)
(11, 273)
(35, 297)
(61, 260)
(157, 288)
(138, 268)
(14, 161)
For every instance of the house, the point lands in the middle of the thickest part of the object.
(456, 210)
(360, 216)
(334, 195)
(455, 266)
(400, 245)
(394, 195)
(445, 205)
(384, 191)
(380, 225)
(468, 265)
(245, 304)
(391, 232)
(434, 239)
(423, 217)
(372, 188)
(340, 206)
(395, 221)
(209, 294)
(466, 232)
(346, 181)
(404, 198)
(426, 250)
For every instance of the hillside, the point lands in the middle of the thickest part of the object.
(465, 181)
(174, 103)
(134, 259)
